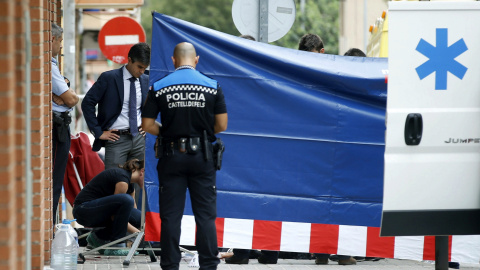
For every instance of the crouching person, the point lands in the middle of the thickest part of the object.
(108, 201)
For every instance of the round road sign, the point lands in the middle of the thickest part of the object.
(281, 15)
(117, 36)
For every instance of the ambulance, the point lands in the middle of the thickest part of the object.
(432, 140)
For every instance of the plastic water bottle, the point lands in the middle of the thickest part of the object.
(64, 249)
(71, 230)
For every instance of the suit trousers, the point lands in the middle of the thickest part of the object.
(120, 151)
(124, 149)
(176, 172)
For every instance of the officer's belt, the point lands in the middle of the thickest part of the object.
(60, 121)
(64, 115)
(182, 144)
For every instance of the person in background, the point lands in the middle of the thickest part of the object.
(242, 256)
(311, 43)
(355, 52)
(64, 99)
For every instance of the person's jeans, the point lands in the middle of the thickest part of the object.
(99, 213)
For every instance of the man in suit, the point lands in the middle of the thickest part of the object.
(120, 95)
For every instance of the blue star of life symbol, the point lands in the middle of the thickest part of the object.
(441, 59)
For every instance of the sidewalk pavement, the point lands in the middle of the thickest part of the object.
(98, 262)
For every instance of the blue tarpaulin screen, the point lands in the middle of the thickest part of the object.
(305, 137)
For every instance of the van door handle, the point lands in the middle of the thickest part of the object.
(413, 129)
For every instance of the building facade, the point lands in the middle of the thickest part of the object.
(25, 116)
(355, 19)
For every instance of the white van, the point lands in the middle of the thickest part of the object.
(432, 154)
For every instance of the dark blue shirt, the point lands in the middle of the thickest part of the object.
(103, 185)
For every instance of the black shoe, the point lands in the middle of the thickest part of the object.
(454, 265)
(265, 260)
(236, 260)
(254, 254)
(303, 256)
(373, 259)
(334, 258)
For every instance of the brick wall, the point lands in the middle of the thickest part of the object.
(12, 130)
(40, 80)
(8, 220)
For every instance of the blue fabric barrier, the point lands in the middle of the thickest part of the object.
(305, 137)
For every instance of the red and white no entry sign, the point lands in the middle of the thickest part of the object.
(117, 36)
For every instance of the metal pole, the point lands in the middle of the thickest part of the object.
(302, 11)
(69, 47)
(28, 143)
(263, 21)
(441, 252)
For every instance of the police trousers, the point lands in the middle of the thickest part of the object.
(60, 149)
(178, 171)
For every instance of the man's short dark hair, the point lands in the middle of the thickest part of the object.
(355, 52)
(140, 52)
(310, 42)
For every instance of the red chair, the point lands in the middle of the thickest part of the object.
(83, 164)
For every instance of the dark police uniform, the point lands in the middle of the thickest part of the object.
(61, 120)
(187, 102)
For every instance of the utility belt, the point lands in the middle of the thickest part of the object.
(192, 145)
(61, 122)
(183, 145)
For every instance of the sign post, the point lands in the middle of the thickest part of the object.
(117, 36)
(266, 20)
(263, 22)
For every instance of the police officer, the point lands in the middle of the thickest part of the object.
(64, 99)
(192, 109)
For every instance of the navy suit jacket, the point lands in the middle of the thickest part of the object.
(108, 93)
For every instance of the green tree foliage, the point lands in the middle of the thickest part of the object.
(319, 17)
(214, 14)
